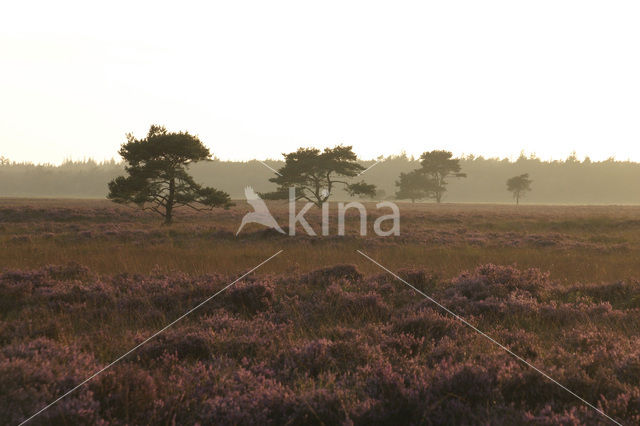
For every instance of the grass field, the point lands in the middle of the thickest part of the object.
(587, 244)
(319, 334)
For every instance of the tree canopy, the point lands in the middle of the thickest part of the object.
(429, 181)
(415, 185)
(519, 185)
(439, 165)
(315, 174)
(157, 177)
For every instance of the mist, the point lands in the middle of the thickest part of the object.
(568, 181)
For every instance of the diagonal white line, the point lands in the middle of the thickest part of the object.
(378, 161)
(269, 167)
(148, 339)
(483, 334)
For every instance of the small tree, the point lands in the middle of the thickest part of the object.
(415, 185)
(315, 174)
(439, 165)
(157, 174)
(519, 185)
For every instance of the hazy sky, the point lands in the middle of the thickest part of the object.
(255, 79)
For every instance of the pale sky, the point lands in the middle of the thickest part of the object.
(257, 78)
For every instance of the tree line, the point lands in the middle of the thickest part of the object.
(431, 179)
(567, 181)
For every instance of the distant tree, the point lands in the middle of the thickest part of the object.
(157, 174)
(439, 165)
(519, 185)
(415, 185)
(316, 173)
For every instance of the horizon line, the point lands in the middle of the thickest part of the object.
(411, 157)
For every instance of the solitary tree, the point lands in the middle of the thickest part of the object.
(157, 174)
(415, 185)
(519, 185)
(439, 165)
(316, 173)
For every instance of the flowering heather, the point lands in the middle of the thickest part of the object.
(328, 275)
(329, 347)
(251, 297)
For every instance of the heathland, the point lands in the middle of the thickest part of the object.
(319, 334)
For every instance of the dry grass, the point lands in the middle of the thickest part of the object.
(574, 243)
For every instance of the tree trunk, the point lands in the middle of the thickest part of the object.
(168, 214)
